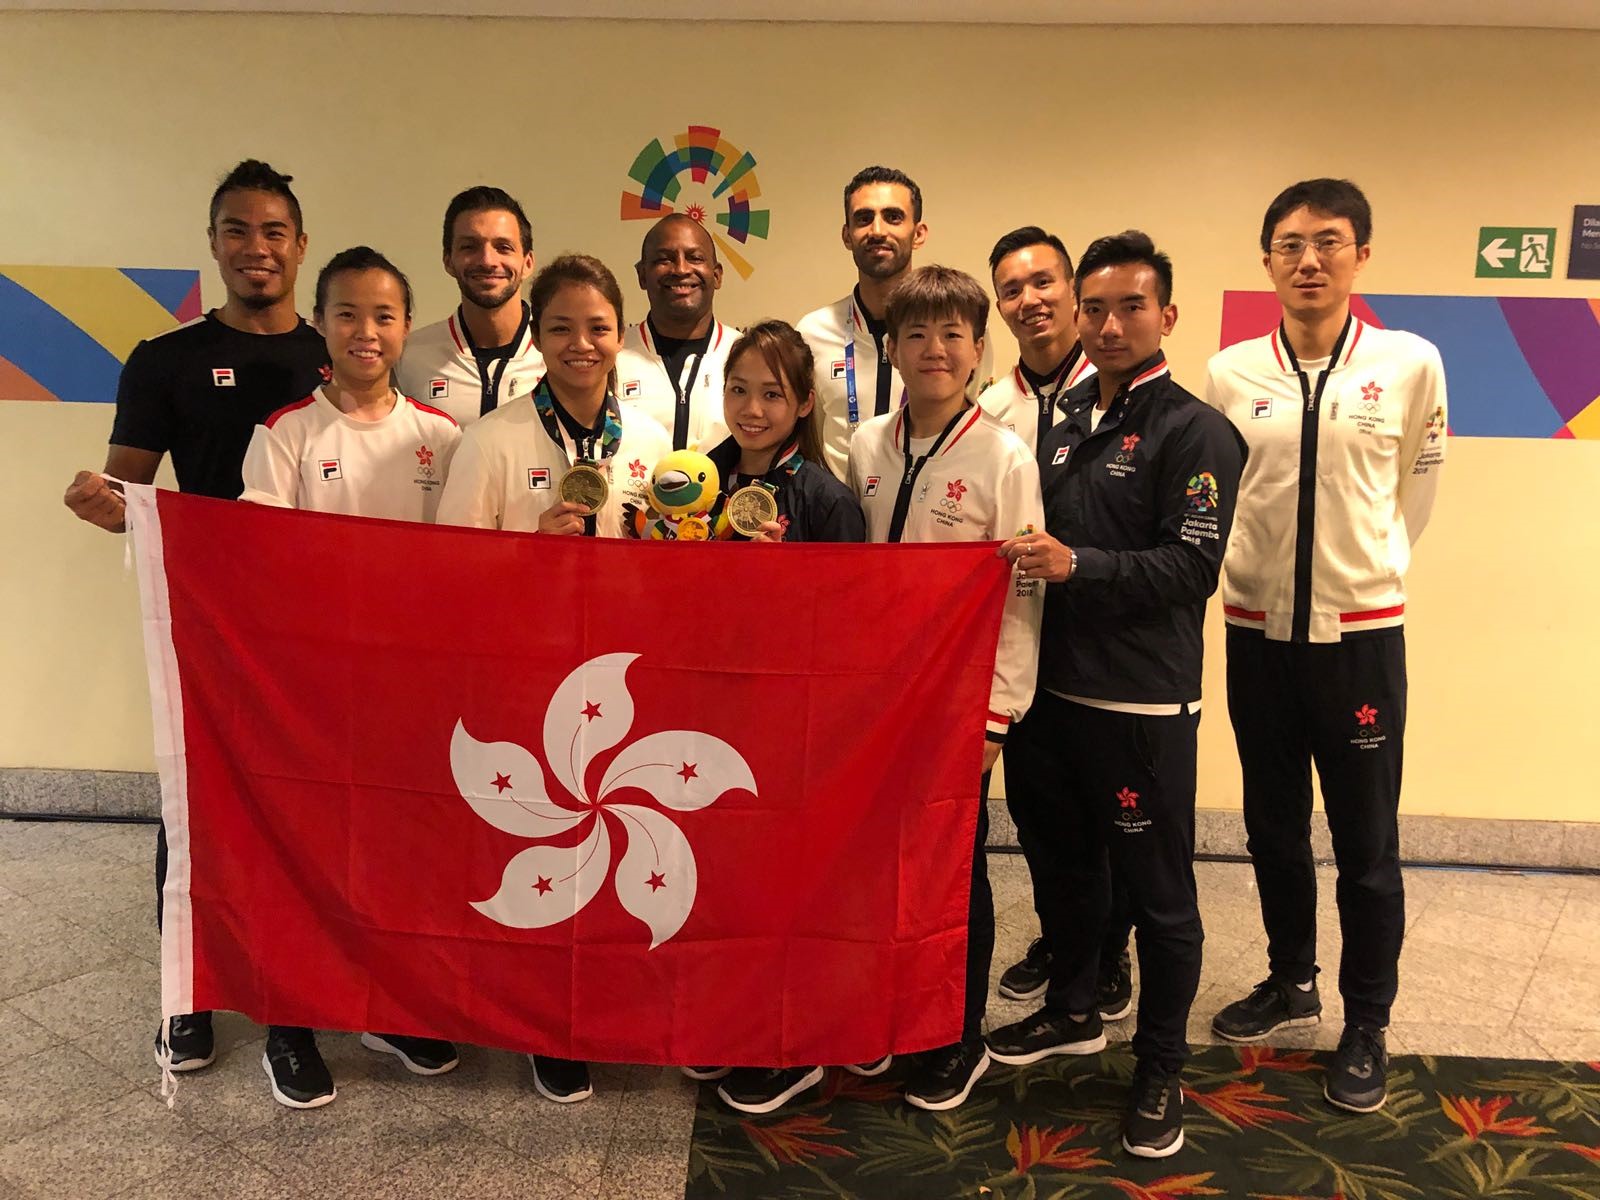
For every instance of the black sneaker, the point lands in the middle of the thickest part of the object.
(188, 1043)
(1357, 1079)
(1113, 993)
(1153, 1126)
(1041, 1034)
(564, 1080)
(299, 1077)
(1028, 979)
(943, 1078)
(420, 1056)
(705, 1074)
(876, 1067)
(766, 1089)
(1273, 1004)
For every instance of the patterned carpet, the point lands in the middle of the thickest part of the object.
(1256, 1126)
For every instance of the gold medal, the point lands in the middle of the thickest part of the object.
(749, 508)
(585, 484)
(693, 529)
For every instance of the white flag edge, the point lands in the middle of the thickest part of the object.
(166, 710)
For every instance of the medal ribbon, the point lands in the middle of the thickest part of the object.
(544, 403)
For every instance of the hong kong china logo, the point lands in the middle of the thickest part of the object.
(1368, 733)
(590, 712)
(1130, 817)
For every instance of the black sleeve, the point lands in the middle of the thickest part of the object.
(838, 517)
(1198, 489)
(144, 403)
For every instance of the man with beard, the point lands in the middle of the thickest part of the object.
(855, 380)
(672, 362)
(198, 392)
(482, 354)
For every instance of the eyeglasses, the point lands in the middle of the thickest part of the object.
(1292, 249)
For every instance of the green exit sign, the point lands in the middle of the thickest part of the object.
(1515, 252)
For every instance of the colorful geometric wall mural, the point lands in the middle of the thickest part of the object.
(66, 331)
(1515, 366)
(701, 154)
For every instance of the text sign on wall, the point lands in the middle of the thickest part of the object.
(1583, 260)
(1515, 252)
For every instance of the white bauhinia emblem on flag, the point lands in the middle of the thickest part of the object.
(589, 713)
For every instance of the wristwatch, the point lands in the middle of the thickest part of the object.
(1073, 569)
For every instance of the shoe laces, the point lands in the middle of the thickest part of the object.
(1361, 1046)
(1150, 1088)
(1038, 953)
(289, 1051)
(953, 1064)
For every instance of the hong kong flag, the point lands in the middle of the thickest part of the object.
(596, 799)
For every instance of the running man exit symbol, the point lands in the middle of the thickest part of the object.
(1506, 252)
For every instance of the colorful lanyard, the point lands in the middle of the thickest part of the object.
(609, 435)
(852, 404)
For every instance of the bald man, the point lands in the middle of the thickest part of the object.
(672, 362)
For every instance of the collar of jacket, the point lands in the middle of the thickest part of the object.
(1286, 365)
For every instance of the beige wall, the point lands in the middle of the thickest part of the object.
(115, 129)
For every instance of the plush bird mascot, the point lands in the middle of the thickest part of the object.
(684, 488)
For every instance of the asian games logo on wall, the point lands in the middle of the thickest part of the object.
(706, 177)
(682, 770)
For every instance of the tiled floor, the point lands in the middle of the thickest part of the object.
(1494, 964)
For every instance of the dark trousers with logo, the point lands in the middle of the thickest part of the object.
(1119, 922)
(1342, 706)
(980, 927)
(1100, 794)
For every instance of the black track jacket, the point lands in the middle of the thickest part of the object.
(1146, 501)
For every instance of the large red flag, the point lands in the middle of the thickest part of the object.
(596, 799)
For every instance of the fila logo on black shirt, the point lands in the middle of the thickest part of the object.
(1061, 457)
(329, 469)
(438, 389)
(872, 484)
(222, 377)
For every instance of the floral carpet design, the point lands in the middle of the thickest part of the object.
(1255, 1122)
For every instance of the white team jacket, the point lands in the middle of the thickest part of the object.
(507, 471)
(1380, 443)
(827, 331)
(438, 366)
(1013, 402)
(982, 486)
(642, 378)
(310, 455)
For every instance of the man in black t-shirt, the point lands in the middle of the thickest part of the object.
(197, 392)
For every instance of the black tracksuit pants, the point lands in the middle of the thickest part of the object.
(1341, 705)
(980, 927)
(1096, 794)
